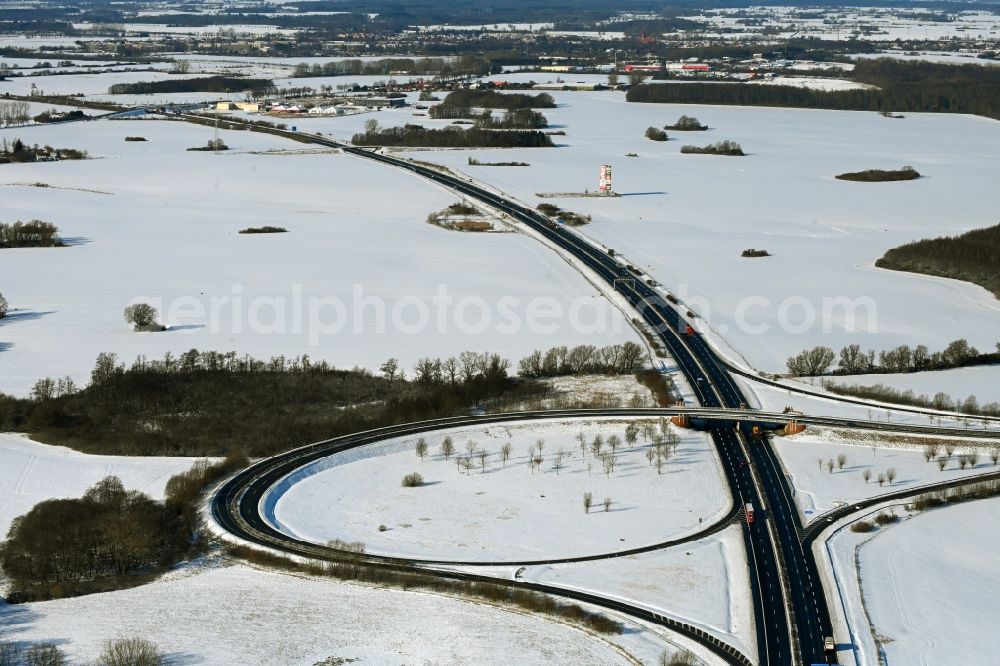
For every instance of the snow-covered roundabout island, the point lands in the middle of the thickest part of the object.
(507, 511)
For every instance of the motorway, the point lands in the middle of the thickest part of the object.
(792, 618)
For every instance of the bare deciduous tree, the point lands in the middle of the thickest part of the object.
(3, 306)
(650, 454)
(614, 441)
(829, 466)
(841, 460)
(505, 452)
(588, 501)
(631, 433)
(470, 446)
(867, 475)
(130, 652)
(447, 447)
(890, 475)
(421, 448)
(607, 503)
(484, 456)
(942, 463)
(44, 654)
(881, 479)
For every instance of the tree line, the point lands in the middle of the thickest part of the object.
(853, 360)
(940, 401)
(452, 137)
(623, 359)
(973, 256)
(213, 404)
(902, 86)
(491, 99)
(216, 84)
(465, 65)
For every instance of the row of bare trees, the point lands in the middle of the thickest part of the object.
(15, 113)
(852, 360)
(625, 358)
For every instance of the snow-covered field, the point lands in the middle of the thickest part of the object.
(236, 614)
(959, 383)
(814, 83)
(817, 489)
(507, 512)
(31, 472)
(687, 218)
(917, 590)
(704, 583)
(932, 582)
(359, 277)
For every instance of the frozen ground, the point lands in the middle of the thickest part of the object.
(814, 83)
(31, 472)
(237, 614)
(359, 277)
(917, 590)
(687, 218)
(507, 512)
(981, 381)
(932, 582)
(704, 583)
(818, 490)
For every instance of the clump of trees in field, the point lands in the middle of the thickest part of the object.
(973, 257)
(413, 480)
(853, 360)
(211, 146)
(142, 316)
(564, 216)
(34, 233)
(110, 538)
(730, 148)
(514, 119)
(881, 175)
(458, 103)
(687, 124)
(450, 137)
(57, 117)
(655, 134)
(475, 162)
(130, 652)
(39, 654)
(266, 229)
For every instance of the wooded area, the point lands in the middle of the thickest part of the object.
(902, 86)
(217, 84)
(973, 257)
